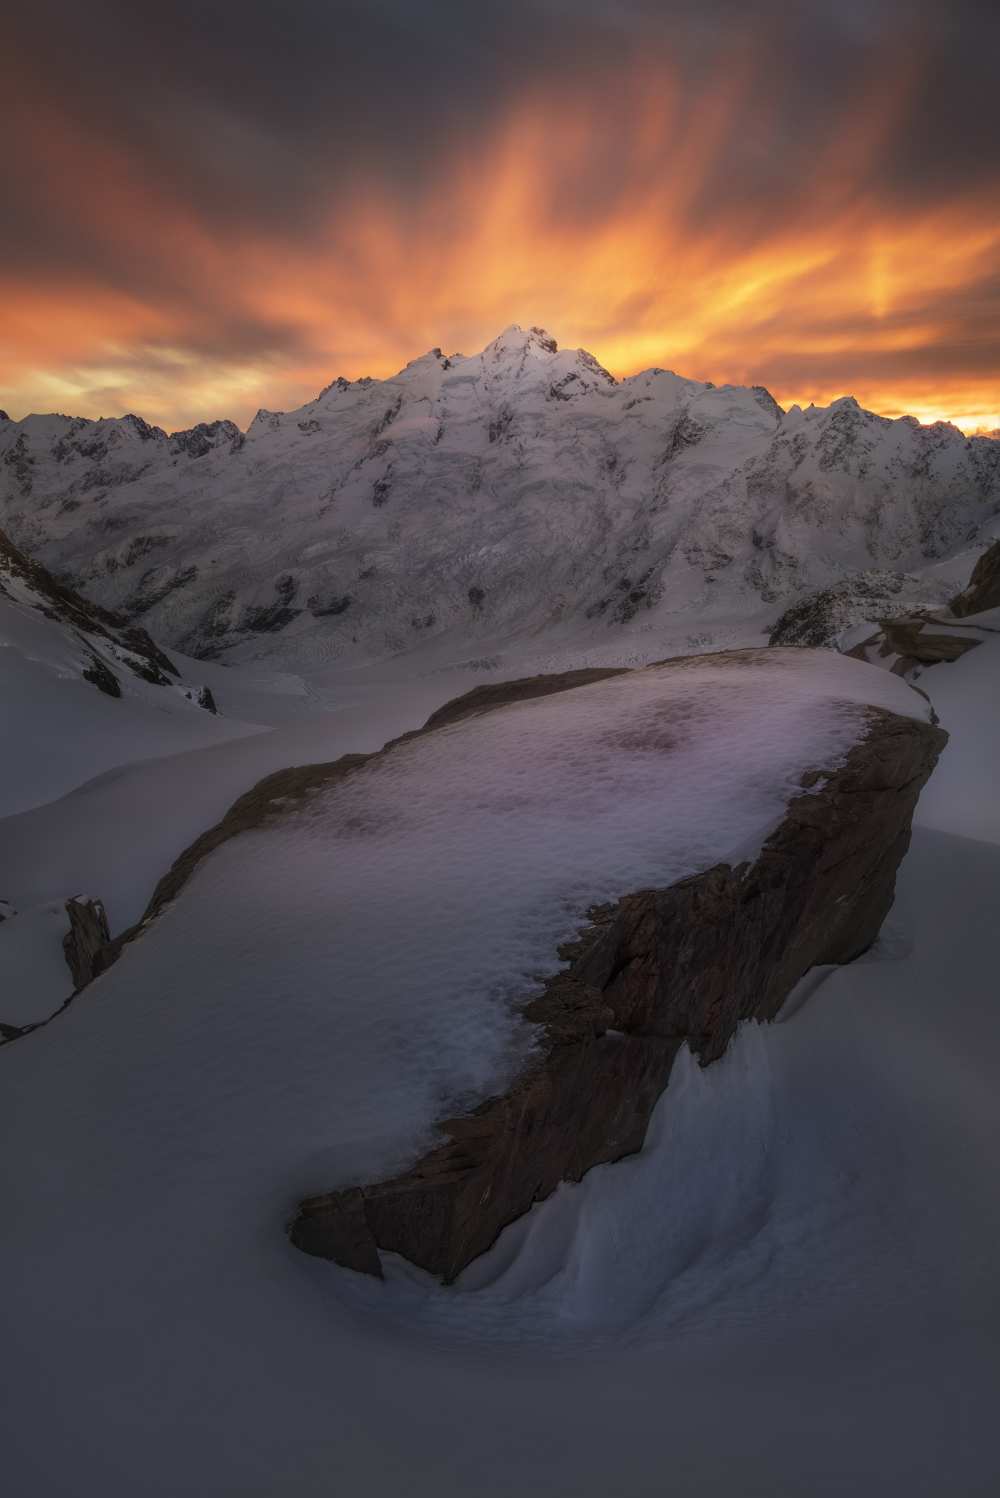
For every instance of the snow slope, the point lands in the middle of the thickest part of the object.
(788, 1291)
(518, 490)
(962, 793)
(81, 695)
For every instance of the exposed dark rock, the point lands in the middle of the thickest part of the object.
(476, 597)
(564, 389)
(820, 618)
(143, 430)
(102, 676)
(687, 433)
(500, 426)
(767, 402)
(204, 698)
(87, 937)
(913, 644)
(156, 585)
(388, 417)
(274, 616)
(633, 594)
(320, 606)
(59, 601)
(205, 437)
(983, 589)
(911, 637)
(663, 968)
(21, 462)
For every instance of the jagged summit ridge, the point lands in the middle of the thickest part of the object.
(522, 488)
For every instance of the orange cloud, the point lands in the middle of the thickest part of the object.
(628, 234)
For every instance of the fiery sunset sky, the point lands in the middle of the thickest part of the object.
(212, 207)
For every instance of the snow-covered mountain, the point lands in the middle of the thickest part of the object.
(522, 490)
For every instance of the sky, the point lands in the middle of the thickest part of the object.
(210, 208)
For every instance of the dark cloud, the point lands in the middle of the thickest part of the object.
(260, 116)
(154, 148)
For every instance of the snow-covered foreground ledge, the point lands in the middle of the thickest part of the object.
(682, 963)
(794, 1255)
(359, 939)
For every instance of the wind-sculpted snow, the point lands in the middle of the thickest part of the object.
(803, 1249)
(515, 490)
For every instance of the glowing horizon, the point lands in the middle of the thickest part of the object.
(63, 389)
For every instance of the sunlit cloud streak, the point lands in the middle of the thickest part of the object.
(806, 202)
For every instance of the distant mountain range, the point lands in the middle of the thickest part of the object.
(522, 490)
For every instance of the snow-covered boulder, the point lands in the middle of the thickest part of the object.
(406, 919)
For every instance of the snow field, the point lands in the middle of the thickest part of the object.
(789, 1291)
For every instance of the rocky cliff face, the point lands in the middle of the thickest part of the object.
(107, 638)
(109, 651)
(983, 591)
(515, 489)
(661, 969)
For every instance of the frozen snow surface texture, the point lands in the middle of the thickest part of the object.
(34, 976)
(791, 1290)
(519, 489)
(962, 794)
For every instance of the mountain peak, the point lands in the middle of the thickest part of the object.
(516, 339)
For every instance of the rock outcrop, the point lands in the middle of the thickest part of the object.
(904, 644)
(983, 590)
(822, 616)
(658, 969)
(88, 937)
(131, 647)
(661, 969)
